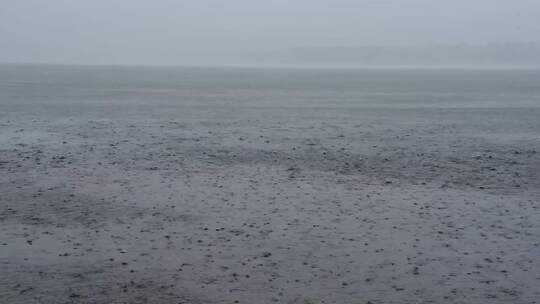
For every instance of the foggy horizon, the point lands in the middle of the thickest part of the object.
(268, 33)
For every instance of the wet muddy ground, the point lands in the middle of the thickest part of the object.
(185, 204)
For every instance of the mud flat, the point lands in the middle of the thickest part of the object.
(118, 202)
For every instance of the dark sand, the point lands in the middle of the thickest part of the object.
(128, 203)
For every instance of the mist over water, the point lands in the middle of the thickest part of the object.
(256, 87)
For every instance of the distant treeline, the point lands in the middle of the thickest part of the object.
(525, 54)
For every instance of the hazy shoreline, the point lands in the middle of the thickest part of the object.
(270, 66)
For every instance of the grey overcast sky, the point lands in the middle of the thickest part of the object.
(181, 31)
